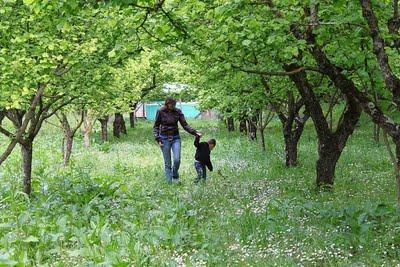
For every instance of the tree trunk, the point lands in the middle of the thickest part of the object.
(26, 152)
(252, 129)
(397, 169)
(329, 154)
(292, 120)
(377, 128)
(86, 139)
(230, 124)
(391, 80)
(132, 119)
(24, 123)
(2, 115)
(290, 151)
(348, 88)
(293, 117)
(292, 138)
(243, 126)
(252, 123)
(262, 130)
(119, 125)
(262, 124)
(123, 128)
(104, 128)
(87, 128)
(132, 115)
(330, 144)
(69, 140)
(377, 131)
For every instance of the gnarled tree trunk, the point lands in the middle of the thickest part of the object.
(69, 141)
(330, 144)
(292, 120)
(292, 138)
(252, 128)
(87, 128)
(104, 128)
(69, 135)
(132, 118)
(262, 134)
(290, 151)
(231, 124)
(26, 153)
(329, 154)
(289, 121)
(119, 125)
(21, 123)
(243, 126)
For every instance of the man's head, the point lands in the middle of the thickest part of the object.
(170, 103)
(212, 143)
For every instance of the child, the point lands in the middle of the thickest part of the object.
(202, 157)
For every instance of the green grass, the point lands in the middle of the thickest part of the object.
(111, 207)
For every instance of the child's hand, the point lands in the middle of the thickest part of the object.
(160, 143)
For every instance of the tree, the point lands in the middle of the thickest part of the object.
(35, 60)
(69, 134)
(269, 47)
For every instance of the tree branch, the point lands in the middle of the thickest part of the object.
(79, 124)
(5, 132)
(176, 24)
(391, 80)
(277, 73)
(29, 115)
(2, 115)
(271, 5)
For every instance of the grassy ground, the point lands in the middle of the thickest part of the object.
(111, 207)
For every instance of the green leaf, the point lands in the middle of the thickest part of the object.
(111, 54)
(28, 2)
(246, 42)
(7, 262)
(31, 239)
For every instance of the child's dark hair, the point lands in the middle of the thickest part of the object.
(212, 142)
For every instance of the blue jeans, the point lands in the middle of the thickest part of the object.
(201, 171)
(171, 144)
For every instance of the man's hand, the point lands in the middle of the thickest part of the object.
(160, 143)
(199, 134)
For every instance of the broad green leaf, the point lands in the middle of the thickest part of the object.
(31, 239)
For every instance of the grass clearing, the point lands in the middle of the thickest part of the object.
(112, 207)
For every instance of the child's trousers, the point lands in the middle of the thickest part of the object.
(201, 171)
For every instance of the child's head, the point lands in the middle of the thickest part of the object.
(212, 143)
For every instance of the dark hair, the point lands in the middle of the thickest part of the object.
(212, 142)
(170, 100)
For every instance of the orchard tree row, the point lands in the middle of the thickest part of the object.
(299, 60)
(87, 60)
